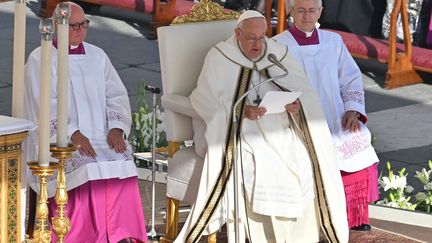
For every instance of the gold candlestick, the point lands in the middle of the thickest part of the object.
(61, 223)
(42, 234)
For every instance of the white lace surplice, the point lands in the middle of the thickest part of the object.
(339, 84)
(98, 102)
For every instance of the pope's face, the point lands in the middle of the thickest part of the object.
(77, 35)
(250, 35)
(306, 14)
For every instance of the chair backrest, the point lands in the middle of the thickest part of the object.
(182, 50)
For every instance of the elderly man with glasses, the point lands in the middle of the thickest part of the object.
(336, 78)
(291, 187)
(104, 200)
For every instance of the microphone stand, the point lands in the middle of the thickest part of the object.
(153, 235)
(272, 59)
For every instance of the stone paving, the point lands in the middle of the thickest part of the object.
(121, 35)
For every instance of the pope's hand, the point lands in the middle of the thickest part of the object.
(294, 107)
(254, 112)
(116, 141)
(83, 144)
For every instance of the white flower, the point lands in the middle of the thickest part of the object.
(143, 125)
(136, 121)
(397, 182)
(148, 117)
(385, 183)
(407, 205)
(381, 182)
(400, 182)
(393, 204)
(428, 186)
(402, 199)
(409, 189)
(420, 196)
(423, 176)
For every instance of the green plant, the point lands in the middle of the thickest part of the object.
(397, 188)
(142, 121)
(424, 198)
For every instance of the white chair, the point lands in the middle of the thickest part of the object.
(182, 50)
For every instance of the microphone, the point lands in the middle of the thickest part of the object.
(154, 90)
(272, 58)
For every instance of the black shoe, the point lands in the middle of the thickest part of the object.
(363, 227)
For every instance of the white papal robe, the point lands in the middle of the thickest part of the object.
(97, 103)
(280, 178)
(338, 81)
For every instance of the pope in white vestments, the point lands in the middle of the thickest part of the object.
(291, 187)
(336, 78)
(104, 201)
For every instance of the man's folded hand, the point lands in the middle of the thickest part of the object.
(294, 107)
(116, 141)
(254, 112)
(83, 144)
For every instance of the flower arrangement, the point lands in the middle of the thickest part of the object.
(399, 191)
(142, 123)
(424, 198)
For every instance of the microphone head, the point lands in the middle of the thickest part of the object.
(272, 57)
(152, 89)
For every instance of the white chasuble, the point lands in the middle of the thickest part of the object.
(98, 102)
(337, 79)
(278, 174)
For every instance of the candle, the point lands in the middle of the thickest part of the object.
(18, 59)
(62, 13)
(46, 28)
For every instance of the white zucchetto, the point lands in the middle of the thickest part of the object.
(249, 14)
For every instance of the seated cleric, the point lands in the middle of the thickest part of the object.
(291, 185)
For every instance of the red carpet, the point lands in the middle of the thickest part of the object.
(375, 236)
(146, 6)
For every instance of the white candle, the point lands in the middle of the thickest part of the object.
(18, 59)
(62, 12)
(46, 29)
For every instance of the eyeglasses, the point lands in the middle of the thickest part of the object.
(85, 24)
(310, 11)
(253, 40)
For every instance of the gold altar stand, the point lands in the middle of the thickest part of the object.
(10, 190)
(12, 133)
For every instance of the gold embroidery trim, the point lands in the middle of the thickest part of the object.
(324, 211)
(220, 185)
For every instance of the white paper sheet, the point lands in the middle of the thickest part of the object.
(275, 101)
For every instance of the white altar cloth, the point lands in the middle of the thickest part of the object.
(11, 125)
